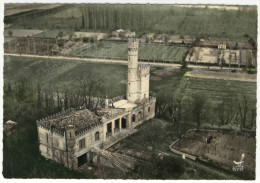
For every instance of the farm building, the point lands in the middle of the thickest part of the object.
(76, 137)
(202, 55)
(123, 33)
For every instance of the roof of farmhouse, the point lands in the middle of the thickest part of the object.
(83, 119)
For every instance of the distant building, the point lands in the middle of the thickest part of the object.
(222, 46)
(123, 33)
(72, 137)
(9, 127)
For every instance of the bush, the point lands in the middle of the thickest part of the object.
(166, 168)
(76, 39)
(85, 39)
(251, 71)
(92, 40)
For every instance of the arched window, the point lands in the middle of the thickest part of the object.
(140, 115)
(133, 118)
(96, 136)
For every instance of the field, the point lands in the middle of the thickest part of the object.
(11, 9)
(62, 74)
(207, 22)
(21, 32)
(147, 52)
(33, 46)
(215, 89)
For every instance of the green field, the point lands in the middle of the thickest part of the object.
(146, 52)
(50, 33)
(217, 23)
(215, 89)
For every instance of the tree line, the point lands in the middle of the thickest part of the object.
(235, 111)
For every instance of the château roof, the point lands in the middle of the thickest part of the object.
(83, 119)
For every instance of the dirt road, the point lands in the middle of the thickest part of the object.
(118, 61)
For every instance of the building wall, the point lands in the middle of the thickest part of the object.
(89, 140)
(144, 87)
(54, 147)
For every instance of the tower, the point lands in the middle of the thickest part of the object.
(132, 93)
(144, 78)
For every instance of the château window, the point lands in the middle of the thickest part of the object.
(47, 138)
(149, 109)
(129, 84)
(82, 143)
(96, 136)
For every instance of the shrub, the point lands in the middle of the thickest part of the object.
(85, 39)
(251, 71)
(76, 39)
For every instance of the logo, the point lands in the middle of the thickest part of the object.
(239, 166)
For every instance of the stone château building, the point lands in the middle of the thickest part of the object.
(71, 136)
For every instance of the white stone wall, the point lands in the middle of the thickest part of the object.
(144, 87)
(54, 147)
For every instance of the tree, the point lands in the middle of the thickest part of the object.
(10, 33)
(162, 101)
(227, 110)
(243, 109)
(88, 88)
(199, 110)
(60, 34)
(175, 109)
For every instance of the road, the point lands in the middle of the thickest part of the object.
(120, 61)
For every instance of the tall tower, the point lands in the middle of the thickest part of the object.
(132, 93)
(144, 78)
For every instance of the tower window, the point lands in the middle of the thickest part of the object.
(149, 109)
(129, 83)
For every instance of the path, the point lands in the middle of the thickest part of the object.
(118, 61)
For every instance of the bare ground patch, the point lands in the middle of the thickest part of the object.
(166, 71)
(219, 146)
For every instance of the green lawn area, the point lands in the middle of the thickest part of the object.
(215, 89)
(50, 33)
(148, 52)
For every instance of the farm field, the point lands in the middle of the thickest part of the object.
(215, 89)
(21, 32)
(146, 52)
